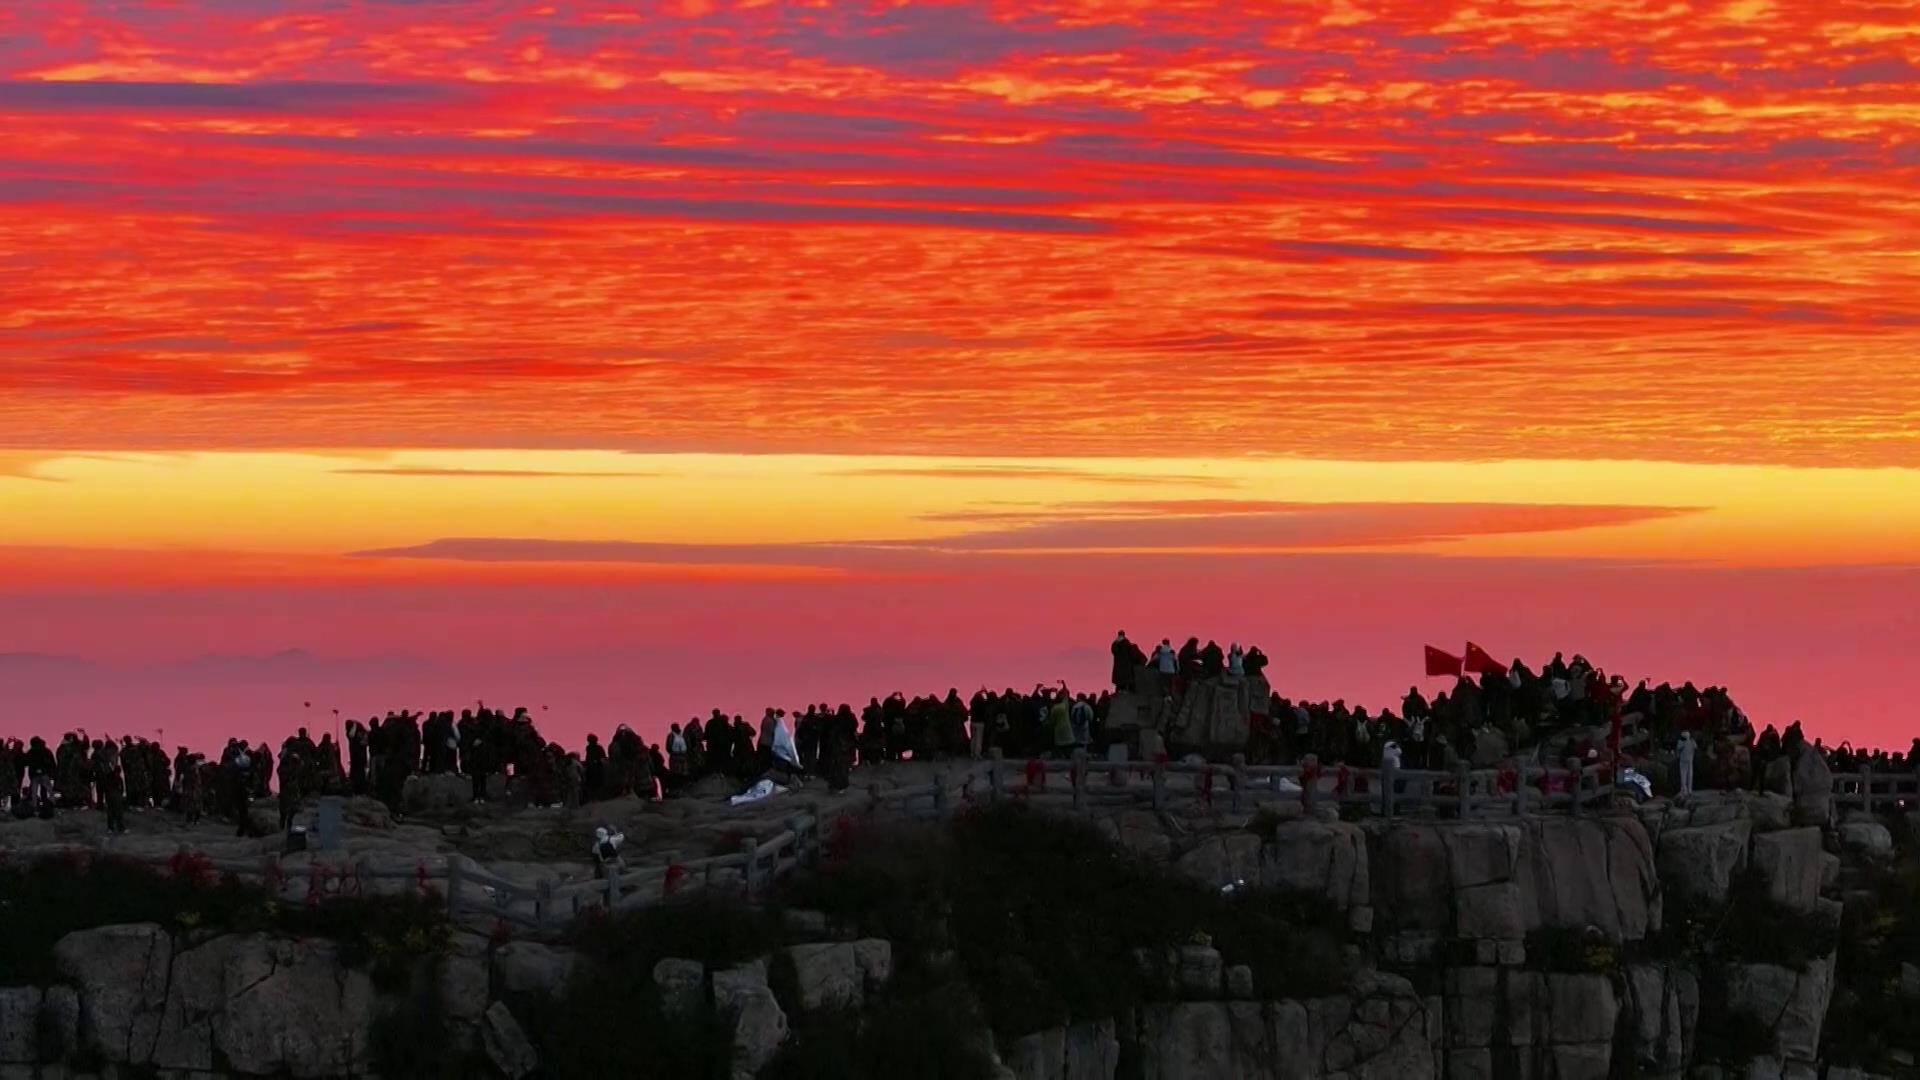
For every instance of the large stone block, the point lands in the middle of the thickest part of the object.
(121, 974)
(292, 1007)
(826, 976)
(1319, 858)
(1793, 864)
(1699, 862)
(507, 1045)
(759, 1024)
(528, 967)
(1792, 1003)
(20, 1023)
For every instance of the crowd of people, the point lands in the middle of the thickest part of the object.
(1570, 703)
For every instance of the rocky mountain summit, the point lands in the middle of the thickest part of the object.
(1737, 934)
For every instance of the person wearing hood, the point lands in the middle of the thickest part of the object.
(1236, 660)
(1165, 661)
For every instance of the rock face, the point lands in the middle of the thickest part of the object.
(1812, 790)
(1382, 1031)
(759, 1024)
(507, 1045)
(261, 1004)
(1792, 1003)
(1794, 865)
(435, 791)
(1699, 861)
(20, 1024)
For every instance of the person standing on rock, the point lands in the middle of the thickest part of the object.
(291, 783)
(1684, 752)
(111, 785)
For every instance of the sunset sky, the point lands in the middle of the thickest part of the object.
(630, 360)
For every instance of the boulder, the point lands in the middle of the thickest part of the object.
(1793, 864)
(365, 813)
(1041, 1055)
(1409, 877)
(827, 976)
(1812, 789)
(1771, 811)
(291, 1007)
(507, 1045)
(1093, 1051)
(1867, 837)
(1792, 1003)
(1659, 1026)
(436, 791)
(121, 975)
(60, 1023)
(1139, 832)
(759, 1025)
(1240, 982)
(464, 985)
(1579, 872)
(1223, 859)
(874, 957)
(1699, 862)
(1199, 971)
(1318, 858)
(20, 1024)
(682, 985)
(527, 967)
(1471, 1004)
(1583, 1010)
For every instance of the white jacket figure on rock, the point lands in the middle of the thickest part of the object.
(1236, 661)
(1684, 750)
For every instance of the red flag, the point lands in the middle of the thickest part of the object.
(1480, 662)
(1441, 663)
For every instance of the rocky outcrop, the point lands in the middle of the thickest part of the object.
(759, 1023)
(259, 1004)
(1698, 861)
(1793, 864)
(1382, 1030)
(1792, 1003)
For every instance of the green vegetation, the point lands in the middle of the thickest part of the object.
(1750, 928)
(1043, 915)
(921, 1027)
(43, 901)
(610, 1021)
(1881, 930)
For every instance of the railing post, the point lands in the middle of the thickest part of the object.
(1239, 779)
(1159, 785)
(1866, 789)
(613, 890)
(873, 798)
(1463, 776)
(1520, 791)
(543, 901)
(1579, 785)
(993, 773)
(1079, 779)
(750, 848)
(1387, 781)
(939, 793)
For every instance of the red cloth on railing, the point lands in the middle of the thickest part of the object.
(1036, 774)
(1341, 779)
(1506, 780)
(316, 887)
(420, 877)
(676, 875)
(1206, 787)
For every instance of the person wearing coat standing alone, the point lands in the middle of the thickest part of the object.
(1684, 751)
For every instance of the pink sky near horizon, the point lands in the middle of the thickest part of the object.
(633, 359)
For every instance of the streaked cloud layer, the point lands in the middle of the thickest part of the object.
(1364, 231)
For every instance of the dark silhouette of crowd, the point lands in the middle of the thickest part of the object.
(1568, 702)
